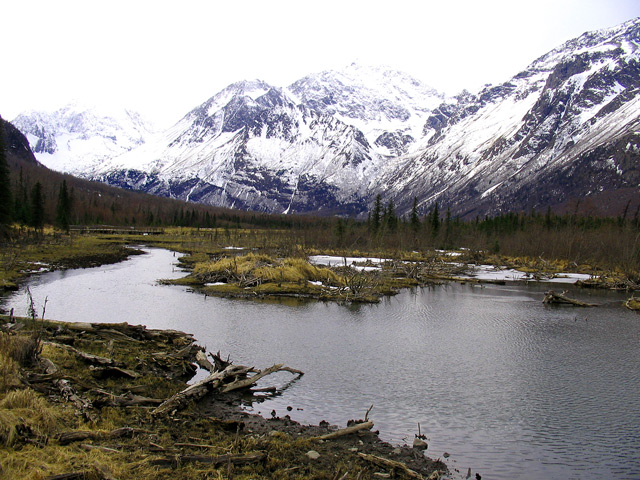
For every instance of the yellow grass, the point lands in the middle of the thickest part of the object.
(290, 270)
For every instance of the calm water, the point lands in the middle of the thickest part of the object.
(507, 386)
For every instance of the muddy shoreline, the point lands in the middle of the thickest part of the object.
(114, 375)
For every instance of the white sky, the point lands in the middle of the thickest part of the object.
(163, 58)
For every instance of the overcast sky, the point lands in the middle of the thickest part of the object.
(164, 58)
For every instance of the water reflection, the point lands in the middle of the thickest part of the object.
(506, 385)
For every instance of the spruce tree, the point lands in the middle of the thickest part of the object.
(63, 211)
(6, 205)
(37, 207)
(415, 218)
(376, 215)
(435, 220)
(21, 208)
(390, 217)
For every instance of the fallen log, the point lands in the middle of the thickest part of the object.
(113, 372)
(386, 463)
(215, 461)
(551, 297)
(87, 357)
(345, 431)
(88, 448)
(219, 362)
(203, 361)
(248, 381)
(199, 389)
(129, 399)
(233, 377)
(66, 438)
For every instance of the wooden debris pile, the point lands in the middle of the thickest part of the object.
(223, 377)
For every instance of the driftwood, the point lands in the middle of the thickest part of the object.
(129, 399)
(361, 425)
(248, 381)
(219, 363)
(233, 377)
(68, 393)
(386, 463)
(87, 357)
(203, 361)
(113, 372)
(199, 389)
(214, 460)
(88, 448)
(345, 431)
(66, 438)
(101, 472)
(552, 297)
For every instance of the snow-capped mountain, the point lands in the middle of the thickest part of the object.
(78, 138)
(252, 146)
(565, 129)
(388, 106)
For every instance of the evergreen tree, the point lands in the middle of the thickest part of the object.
(6, 205)
(376, 215)
(390, 217)
(415, 218)
(447, 228)
(21, 206)
(37, 206)
(63, 211)
(435, 220)
(548, 219)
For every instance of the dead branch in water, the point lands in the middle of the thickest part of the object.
(233, 377)
(345, 431)
(551, 297)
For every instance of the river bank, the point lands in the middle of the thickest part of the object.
(50, 252)
(78, 401)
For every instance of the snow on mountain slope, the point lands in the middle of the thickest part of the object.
(78, 138)
(565, 129)
(252, 146)
(388, 106)
(517, 145)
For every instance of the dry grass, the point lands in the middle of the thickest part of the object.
(25, 413)
(15, 351)
(20, 348)
(263, 269)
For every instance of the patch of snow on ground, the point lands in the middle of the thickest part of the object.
(490, 272)
(334, 261)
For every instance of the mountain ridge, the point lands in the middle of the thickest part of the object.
(563, 129)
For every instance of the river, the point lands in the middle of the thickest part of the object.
(507, 386)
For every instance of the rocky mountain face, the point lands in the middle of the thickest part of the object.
(564, 130)
(17, 145)
(77, 138)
